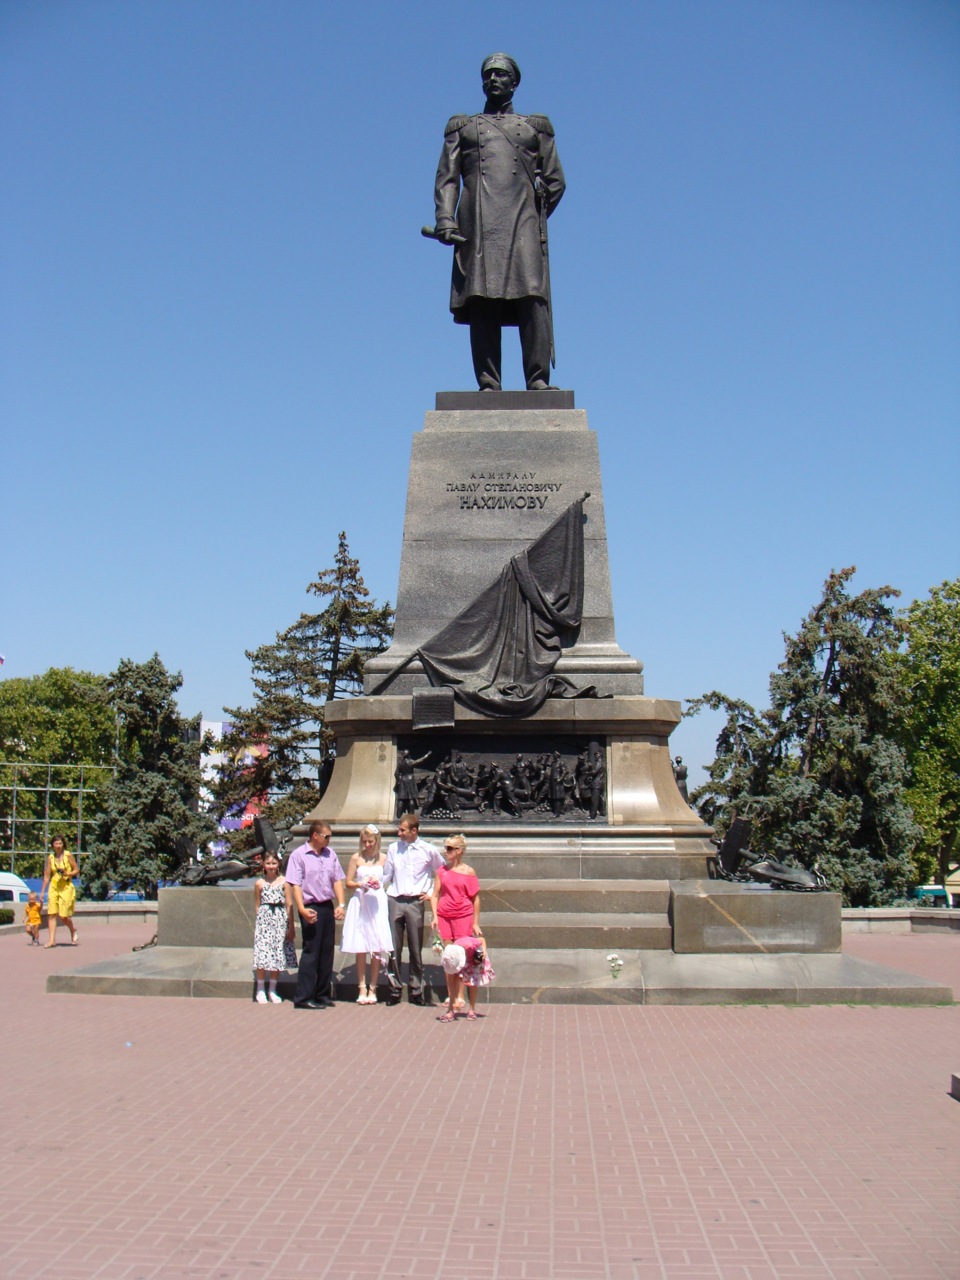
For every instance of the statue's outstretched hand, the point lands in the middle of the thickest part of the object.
(445, 235)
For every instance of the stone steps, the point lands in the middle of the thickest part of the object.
(574, 930)
(534, 977)
(515, 913)
(587, 896)
(592, 856)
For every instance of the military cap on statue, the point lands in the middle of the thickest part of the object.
(504, 62)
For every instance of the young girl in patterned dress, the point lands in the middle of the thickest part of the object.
(466, 963)
(273, 929)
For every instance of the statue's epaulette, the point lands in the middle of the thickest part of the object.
(541, 124)
(455, 124)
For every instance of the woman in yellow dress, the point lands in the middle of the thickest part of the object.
(59, 873)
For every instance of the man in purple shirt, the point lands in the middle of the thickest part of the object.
(316, 878)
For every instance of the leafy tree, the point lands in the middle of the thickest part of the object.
(58, 718)
(820, 772)
(319, 658)
(151, 821)
(928, 681)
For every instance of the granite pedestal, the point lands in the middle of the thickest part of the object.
(489, 473)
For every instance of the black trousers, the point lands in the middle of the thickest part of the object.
(407, 917)
(316, 958)
(486, 329)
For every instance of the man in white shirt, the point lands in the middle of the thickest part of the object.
(408, 875)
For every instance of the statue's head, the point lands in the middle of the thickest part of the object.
(500, 76)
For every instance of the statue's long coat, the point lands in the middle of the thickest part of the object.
(497, 158)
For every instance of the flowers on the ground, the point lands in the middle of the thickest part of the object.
(615, 963)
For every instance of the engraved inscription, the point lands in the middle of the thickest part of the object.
(433, 709)
(491, 490)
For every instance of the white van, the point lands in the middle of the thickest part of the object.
(12, 888)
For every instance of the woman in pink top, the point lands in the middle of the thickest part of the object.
(455, 902)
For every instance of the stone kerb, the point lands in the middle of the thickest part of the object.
(900, 920)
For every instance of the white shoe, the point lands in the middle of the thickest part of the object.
(261, 997)
(274, 998)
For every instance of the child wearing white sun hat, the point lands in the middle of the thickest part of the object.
(466, 964)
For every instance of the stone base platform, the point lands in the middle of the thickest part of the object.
(549, 941)
(714, 916)
(541, 977)
(560, 914)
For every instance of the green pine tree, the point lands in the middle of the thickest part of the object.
(319, 658)
(820, 772)
(151, 821)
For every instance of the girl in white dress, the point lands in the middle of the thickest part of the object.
(366, 926)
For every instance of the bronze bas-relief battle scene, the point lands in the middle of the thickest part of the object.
(556, 781)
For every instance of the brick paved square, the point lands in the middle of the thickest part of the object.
(218, 1139)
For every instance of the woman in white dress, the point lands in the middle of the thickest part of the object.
(366, 926)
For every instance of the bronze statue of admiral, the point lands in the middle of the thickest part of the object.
(498, 181)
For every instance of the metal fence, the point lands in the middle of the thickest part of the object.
(39, 800)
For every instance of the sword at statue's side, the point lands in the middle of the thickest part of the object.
(540, 197)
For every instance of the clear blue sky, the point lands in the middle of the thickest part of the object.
(219, 326)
